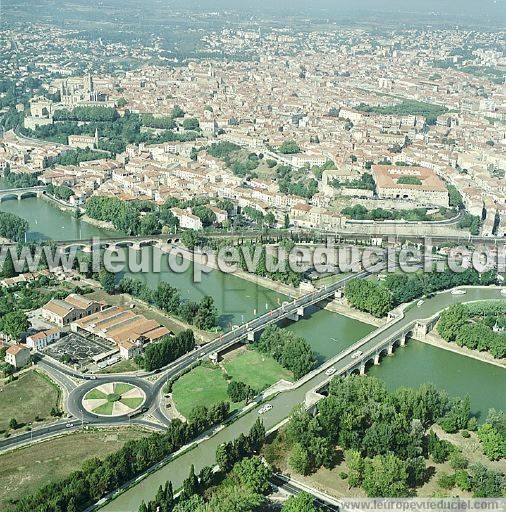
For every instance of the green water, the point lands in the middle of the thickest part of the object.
(328, 333)
(239, 300)
(48, 222)
(417, 363)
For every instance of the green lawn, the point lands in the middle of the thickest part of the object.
(208, 386)
(256, 370)
(24, 470)
(133, 403)
(105, 409)
(31, 395)
(201, 386)
(122, 387)
(95, 394)
(124, 366)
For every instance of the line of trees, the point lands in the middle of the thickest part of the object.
(12, 227)
(291, 351)
(285, 275)
(61, 192)
(407, 108)
(202, 314)
(240, 481)
(132, 217)
(458, 324)
(360, 212)
(168, 349)
(20, 179)
(75, 156)
(97, 477)
(384, 437)
(378, 298)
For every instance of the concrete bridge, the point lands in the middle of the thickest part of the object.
(22, 193)
(293, 311)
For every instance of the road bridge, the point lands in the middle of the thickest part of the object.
(274, 236)
(22, 193)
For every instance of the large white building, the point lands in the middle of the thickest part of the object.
(417, 184)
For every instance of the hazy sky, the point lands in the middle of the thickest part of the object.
(423, 6)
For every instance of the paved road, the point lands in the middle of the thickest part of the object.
(77, 384)
(204, 453)
(292, 488)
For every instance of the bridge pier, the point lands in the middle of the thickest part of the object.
(362, 368)
(251, 336)
(376, 359)
(403, 341)
(294, 317)
(390, 349)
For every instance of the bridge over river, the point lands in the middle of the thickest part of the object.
(22, 193)
(388, 338)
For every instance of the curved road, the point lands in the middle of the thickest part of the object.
(204, 453)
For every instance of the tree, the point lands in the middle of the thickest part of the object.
(190, 239)
(190, 484)
(300, 460)
(385, 476)
(167, 298)
(289, 147)
(302, 502)
(355, 464)
(107, 280)
(253, 474)
(191, 123)
(13, 424)
(12, 227)
(207, 314)
(225, 456)
(494, 444)
(257, 436)
(239, 391)
(14, 324)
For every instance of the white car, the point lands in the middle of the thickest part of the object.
(265, 408)
(458, 292)
(419, 303)
(69, 425)
(356, 354)
(330, 371)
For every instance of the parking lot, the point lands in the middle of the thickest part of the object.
(77, 350)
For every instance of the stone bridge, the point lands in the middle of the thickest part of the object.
(22, 193)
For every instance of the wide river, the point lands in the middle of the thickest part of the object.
(239, 300)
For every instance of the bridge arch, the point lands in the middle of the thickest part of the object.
(147, 243)
(28, 193)
(8, 196)
(75, 246)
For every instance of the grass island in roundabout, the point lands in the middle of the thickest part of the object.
(113, 399)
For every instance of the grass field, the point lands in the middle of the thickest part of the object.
(256, 370)
(201, 386)
(32, 395)
(208, 386)
(22, 471)
(124, 366)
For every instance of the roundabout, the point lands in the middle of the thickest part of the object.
(112, 399)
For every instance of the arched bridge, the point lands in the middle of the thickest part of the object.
(22, 193)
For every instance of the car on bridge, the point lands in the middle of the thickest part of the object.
(356, 354)
(330, 371)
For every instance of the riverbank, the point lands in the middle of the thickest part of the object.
(434, 339)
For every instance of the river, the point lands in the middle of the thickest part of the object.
(328, 333)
